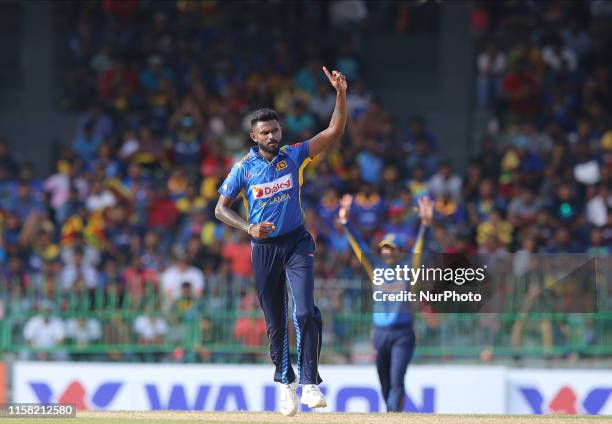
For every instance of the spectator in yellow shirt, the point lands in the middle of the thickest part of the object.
(495, 225)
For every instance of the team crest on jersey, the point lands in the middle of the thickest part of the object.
(281, 165)
(264, 191)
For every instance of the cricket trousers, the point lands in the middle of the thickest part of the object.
(284, 270)
(394, 350)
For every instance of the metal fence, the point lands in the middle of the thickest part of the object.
(107, 323)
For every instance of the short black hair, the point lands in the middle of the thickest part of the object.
(263, 115)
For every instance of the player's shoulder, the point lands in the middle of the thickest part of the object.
(290, 147)
(244, 160)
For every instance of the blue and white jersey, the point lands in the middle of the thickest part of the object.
(388, 313)
(271, 190)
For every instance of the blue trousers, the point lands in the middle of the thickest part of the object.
(394, 350)
(284, 268)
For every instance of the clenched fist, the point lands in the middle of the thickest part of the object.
(261, 230)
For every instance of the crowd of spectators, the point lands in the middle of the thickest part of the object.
(543, 76)
(543, 81)
(163, 89)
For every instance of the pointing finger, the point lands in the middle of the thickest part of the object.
(327, 74)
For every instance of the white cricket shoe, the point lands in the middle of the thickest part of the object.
(312, 396)
(288, 399)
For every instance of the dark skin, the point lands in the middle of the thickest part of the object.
(268, 134)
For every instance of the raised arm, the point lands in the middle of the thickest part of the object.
(425, 209)
(334, 131)
(360, 247)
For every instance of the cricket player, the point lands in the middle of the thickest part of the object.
(269, 180)
(393, 324)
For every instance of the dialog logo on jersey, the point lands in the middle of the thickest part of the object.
(264, 191)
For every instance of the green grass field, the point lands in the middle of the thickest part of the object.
(107, 417)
